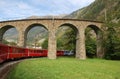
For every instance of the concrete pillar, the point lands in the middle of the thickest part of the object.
(21, 39)
(100, 49)
(52, 44)
(80, 45)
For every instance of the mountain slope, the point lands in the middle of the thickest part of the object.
(97, 11)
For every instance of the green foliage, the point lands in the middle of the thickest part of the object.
(60, 44)
(67, 41)
(112, 43)
(5, 41)
(66, 68)
(71, 40)
(91, 47)
(8, 43)
(95, 9)
(12, 43)
(90, 43)
(45, 44)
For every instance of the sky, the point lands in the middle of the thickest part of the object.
(20, 9)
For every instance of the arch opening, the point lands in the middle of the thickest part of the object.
(93, 41)
(9, 35)
(66, 39)
(36, 36)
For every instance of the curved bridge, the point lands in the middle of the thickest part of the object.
(24, 25)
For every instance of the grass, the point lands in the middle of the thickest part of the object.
(66, 68)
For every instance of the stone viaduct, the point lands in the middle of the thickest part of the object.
(24, 25)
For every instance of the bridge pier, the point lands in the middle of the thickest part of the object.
(80, 45)
(100, 49)
(21, 39)
(52, 44)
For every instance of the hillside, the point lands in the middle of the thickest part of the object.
(99, 10)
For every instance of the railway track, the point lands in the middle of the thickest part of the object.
(6, 67)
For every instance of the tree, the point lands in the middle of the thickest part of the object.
(5, 41)
(69, 42)
(60, 44)
(90, 43)
(45, 44)
(112, 41)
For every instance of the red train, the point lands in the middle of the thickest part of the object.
(11, 52)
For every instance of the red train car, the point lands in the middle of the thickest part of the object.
(16, 52)
(3, 52)
(60, 53)
(12, 52)
(36, 52)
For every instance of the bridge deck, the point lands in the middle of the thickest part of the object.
(52, 19)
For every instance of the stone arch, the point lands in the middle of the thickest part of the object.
(95, 28)
(4, 29)
(74, 28)
(70, 25)
(28, 29)
(99, 35)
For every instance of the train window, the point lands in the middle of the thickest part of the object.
(20, 50)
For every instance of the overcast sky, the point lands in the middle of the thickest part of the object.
(16, 9)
